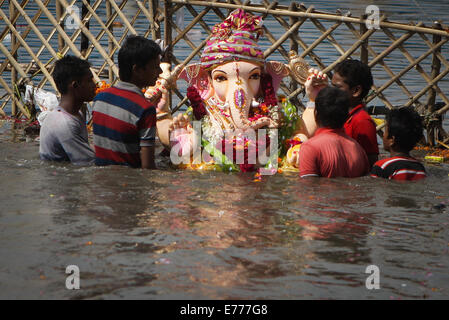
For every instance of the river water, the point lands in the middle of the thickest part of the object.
(170, 234)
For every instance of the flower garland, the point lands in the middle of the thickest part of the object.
(102, 86)
(269, 96)
(199, 111)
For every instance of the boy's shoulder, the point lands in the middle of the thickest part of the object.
(383, 163)
(399, 168)
(116, 93)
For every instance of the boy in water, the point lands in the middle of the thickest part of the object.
(402, 132)
(124, 121)
(63, 135)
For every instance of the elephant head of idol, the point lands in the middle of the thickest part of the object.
(235, 84)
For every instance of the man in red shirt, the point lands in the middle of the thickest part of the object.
(330, 152)
(355, 78)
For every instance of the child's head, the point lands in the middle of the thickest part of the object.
(331, 108)
(72, 75)
(355, 78)
(138, 61)
(403, 130)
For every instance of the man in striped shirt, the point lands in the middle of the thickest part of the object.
(402, 132)
(124, 122)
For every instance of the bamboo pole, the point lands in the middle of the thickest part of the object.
(298, 39)
(424, 90)
(157, 19)
(108, 24)
(364, 47)
(111, 39)
(24, 35)
(436, 66)
(348, 53)
(441, 60)
(58, 27)
(331, 39)
(418, 67)
(61, 53)
(150, 17)
(122, 16)
(201, 21)
(322, 16)
(13, 19)
(27, 48)
(396, 43)
(442, 110)
(168, 41)
(293, 45)
(15, 65)
(35, 29)
(190, 25)
(14, 98)
(12, 13)
(411, 65)
(122, 38)
(84, 39)
(89, 35)
(61, 23)
(325, 35)
(270, 36)
(384, 65)
(354, 47)
(62, 32)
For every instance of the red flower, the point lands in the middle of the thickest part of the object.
(292, 142)
(247, 168)
(268, 91)
(199, 111)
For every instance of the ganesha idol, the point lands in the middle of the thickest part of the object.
(232, 92)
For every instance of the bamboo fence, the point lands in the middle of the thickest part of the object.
(98, 37)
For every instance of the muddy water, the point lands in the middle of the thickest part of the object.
(170, 234)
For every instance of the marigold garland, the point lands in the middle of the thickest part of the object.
(101, 86)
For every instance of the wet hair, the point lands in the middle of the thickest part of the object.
(69, 69)
(356, 73)
(138, 51)
(331, 108)
(406, 126)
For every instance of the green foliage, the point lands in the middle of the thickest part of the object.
(286, 131)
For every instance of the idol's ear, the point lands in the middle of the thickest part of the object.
(278, 71)
(196, 76)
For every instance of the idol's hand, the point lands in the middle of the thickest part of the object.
(316, 81)
(181, 122)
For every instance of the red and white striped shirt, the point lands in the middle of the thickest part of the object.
(399, 168)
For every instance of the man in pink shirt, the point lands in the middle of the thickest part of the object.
(330, 152)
